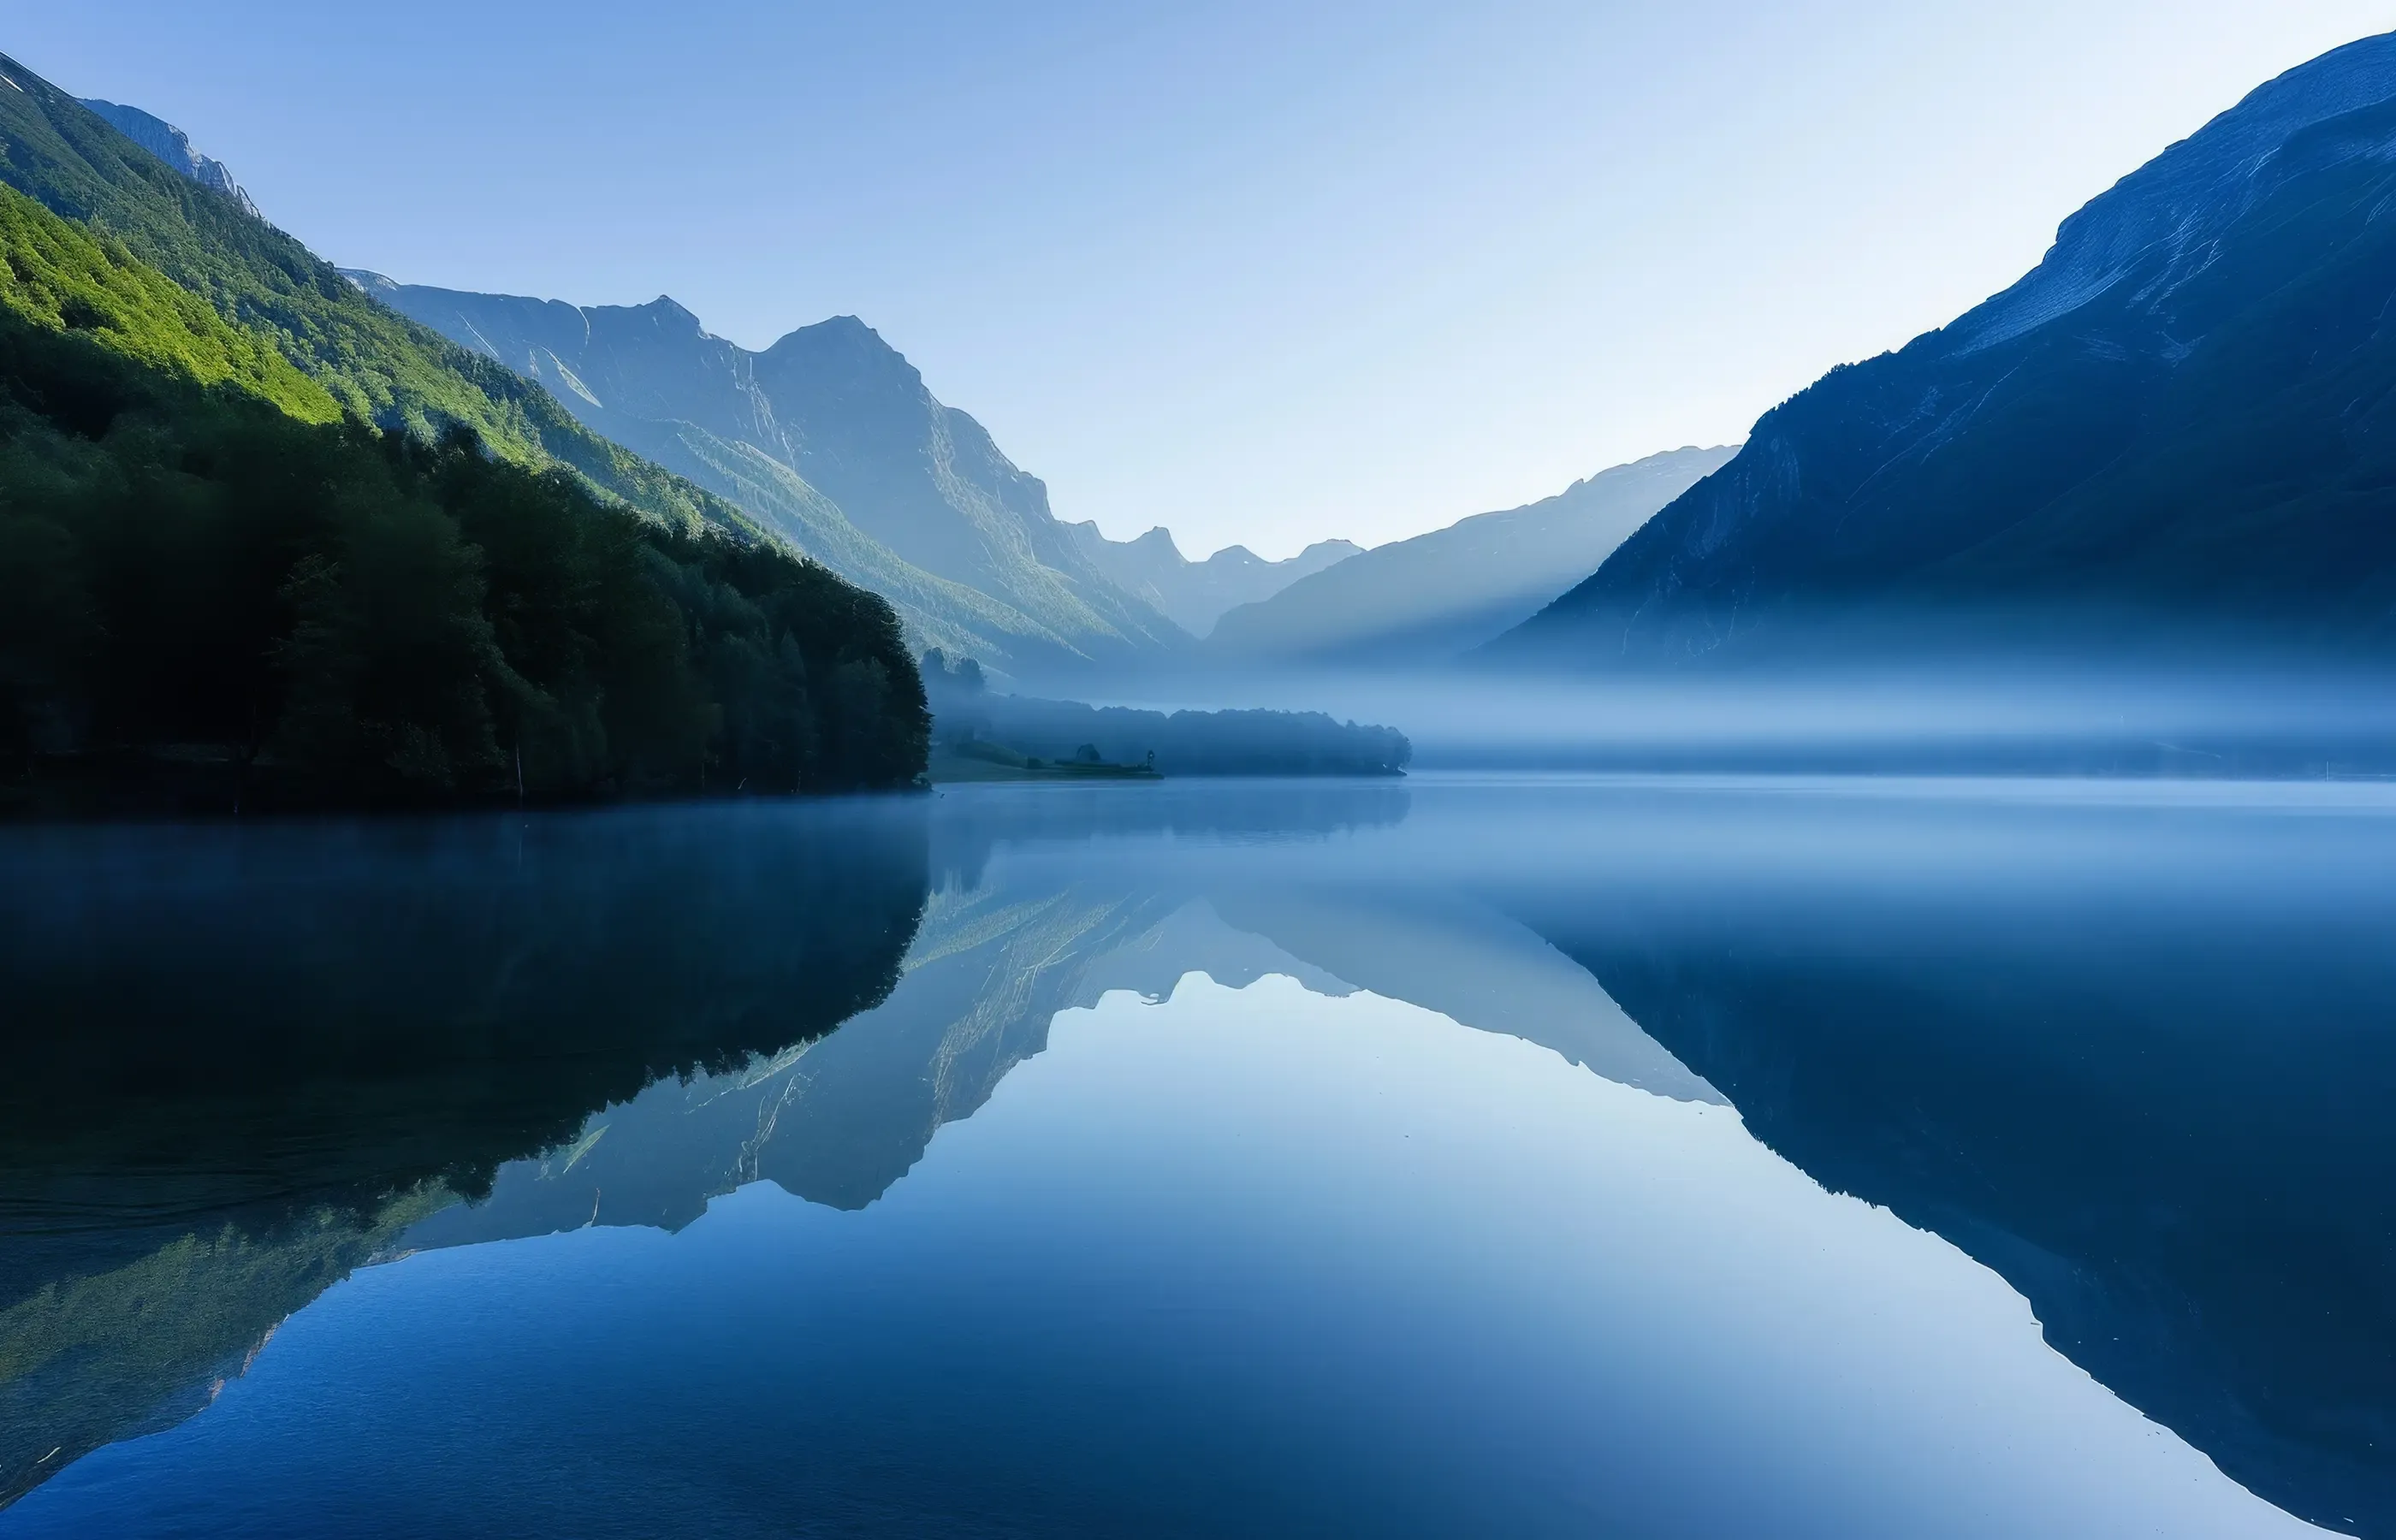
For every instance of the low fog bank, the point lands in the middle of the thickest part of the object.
(2187, 720)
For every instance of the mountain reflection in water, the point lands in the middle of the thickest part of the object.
(2122, 1045)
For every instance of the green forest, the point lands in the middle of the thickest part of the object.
(377, 364)
(221, 586)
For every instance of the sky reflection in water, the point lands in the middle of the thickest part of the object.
(1235, 1160)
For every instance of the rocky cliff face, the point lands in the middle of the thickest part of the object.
(832, 438)
(2178, 421)
(173, 146)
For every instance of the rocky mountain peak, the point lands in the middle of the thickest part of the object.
(173, 146)
(2163, 222)
(669, 315)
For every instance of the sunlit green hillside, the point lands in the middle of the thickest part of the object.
(59, 276)
(372, 362)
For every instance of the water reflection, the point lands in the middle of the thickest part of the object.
(244, 1061)
(2159, 1110)
(2125, 1047)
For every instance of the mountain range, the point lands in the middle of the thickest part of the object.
(1427, 599)
(897, 492)
(1196, 594)
(830, 439)
(2179, 427)
(2178, 424)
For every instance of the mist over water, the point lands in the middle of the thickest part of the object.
(2017, 716)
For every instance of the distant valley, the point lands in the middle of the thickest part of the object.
(832, 439)
(1424, 601)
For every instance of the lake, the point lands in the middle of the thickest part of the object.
(1510, 1156)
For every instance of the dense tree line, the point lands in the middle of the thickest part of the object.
(330, 613)
(1184, 743)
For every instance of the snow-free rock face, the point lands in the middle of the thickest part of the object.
(173, 146)
(1196, 594)
(2180, 423)
(2165, 221)
(832, 438)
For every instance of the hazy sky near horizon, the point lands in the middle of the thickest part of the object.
(1260, 273)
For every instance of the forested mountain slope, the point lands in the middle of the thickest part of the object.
(2182, 426)
(217, 593)
(832, 438)
(377, 364)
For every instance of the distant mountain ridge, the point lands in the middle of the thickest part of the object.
(1196, 594)
(1427, 599)
(830, 438)
(173, 146)
(2180, 428)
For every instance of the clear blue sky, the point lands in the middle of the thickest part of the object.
(1259, 271)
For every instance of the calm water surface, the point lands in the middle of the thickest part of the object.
(1509, 1157)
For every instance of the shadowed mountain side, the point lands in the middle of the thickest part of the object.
(2177, 431)
(1427, 599)
(946, 614)
(830, 438)
(1194, 594)
(2167, 1130)
(247, 1057)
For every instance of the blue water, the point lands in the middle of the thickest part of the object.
(1476, 1156)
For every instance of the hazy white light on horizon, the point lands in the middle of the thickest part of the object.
(1260, 273)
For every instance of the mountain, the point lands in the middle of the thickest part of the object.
(173, 146)
(221, 589)
(2180, 425)
(377, 365)
(1430, 598)
(1194, 595)
(830, 438)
